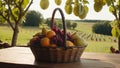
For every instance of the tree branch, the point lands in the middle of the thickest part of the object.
(21, 2)
(21, 10)
(115, 14)
(115, 11)
(20, 13)
(8, 21)
(15, 4)
(119, 16)
(11, 11)
(28, 6)
(3, 16)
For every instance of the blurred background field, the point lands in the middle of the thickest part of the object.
(96, 42)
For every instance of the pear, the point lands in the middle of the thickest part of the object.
(44, 4)
(44, 31)
(98, 6)
(81, 9)
(68, 9)
(69, 43)
(76, 9)
(84, 14)
(68, 2)
(74, 35)
(80, 41)
(58, 2)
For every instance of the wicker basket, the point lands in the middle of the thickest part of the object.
(57, 54)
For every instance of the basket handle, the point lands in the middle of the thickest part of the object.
(63, 21)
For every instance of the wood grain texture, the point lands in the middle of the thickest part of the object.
(22, 57)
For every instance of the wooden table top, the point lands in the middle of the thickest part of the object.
(22, 57)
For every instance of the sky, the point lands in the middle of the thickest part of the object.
(104, 14)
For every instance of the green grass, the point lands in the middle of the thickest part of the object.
(85, 27)
(26, 33)
(103, 47)
(5, 34)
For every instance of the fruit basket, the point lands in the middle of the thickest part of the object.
(57, 46)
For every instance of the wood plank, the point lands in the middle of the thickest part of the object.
(22, 57)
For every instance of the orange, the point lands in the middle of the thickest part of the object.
(50, 34)
(69, 43)
(45, 42)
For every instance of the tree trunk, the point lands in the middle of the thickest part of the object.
(15, 36)
(119, 43)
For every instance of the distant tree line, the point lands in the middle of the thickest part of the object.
(33, 18)
(59, 24)
(92, 21)
(102, 28)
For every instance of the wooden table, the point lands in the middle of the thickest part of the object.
(22, 57)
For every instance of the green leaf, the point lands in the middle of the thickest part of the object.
(15, 12)
(5, 13)
(0, 5)
(118, 31)
(118, 2)
(111, 9)
(16, 1)
(114, 23)
(25, 3)
(113, 0)
(0, 2)
(115, 32)
(2, 20)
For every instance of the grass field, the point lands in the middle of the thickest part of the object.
(85, 27)
(26, 33)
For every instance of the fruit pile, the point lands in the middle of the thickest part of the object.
(55, 37)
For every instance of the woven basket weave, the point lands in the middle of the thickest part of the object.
(57, 54)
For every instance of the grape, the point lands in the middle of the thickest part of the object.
(34, 40)
(55, 29)
(69, 37)
(60, 33)
(58, 39)
(53, 40)
(41, 36)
